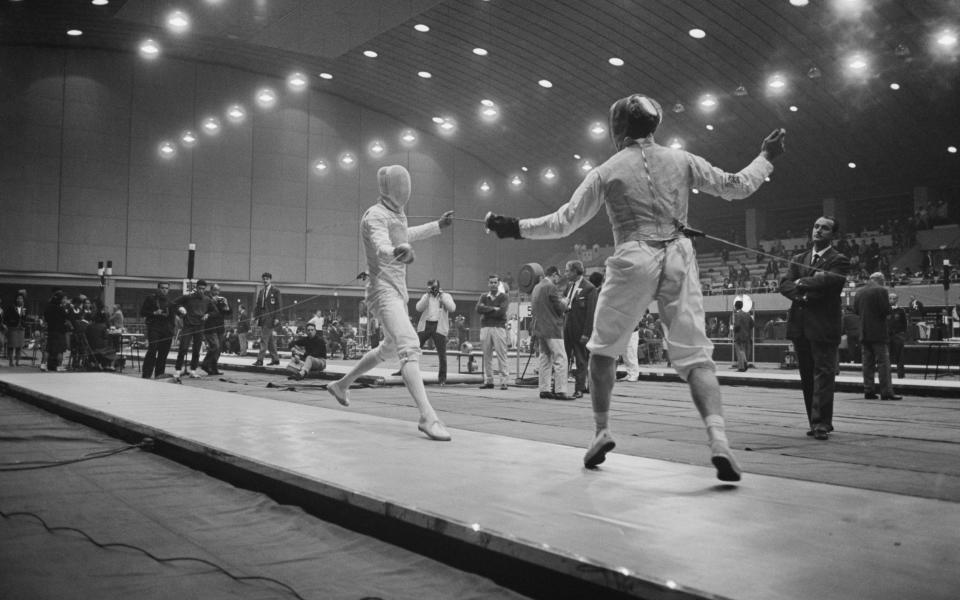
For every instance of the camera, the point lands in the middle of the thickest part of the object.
(434, 286)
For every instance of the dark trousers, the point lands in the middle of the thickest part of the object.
(190, 335)
(897, 341)
(158, 347)
(581, 356)
(215, 343)
(817, 362)
(876, 359)
(440, 341)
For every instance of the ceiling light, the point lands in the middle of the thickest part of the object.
(545, 83)
(777, 82)
(424, 74)
(421, 27)
(178, 21)
(576, 157)
(188, 139)
(894, 86)
(347, 160)
(852, 165)
(320, 166)
(211, 125)
(676, 144)
(408, 136)
(484, 186)
(586, 166)
(814, 73)
(74, 32)
(549, 174)
(708, 102)
(236, 113)
(377, 148)
(447, 125)
(480, 51)
(149, 49)
(947, 39)
(370, 54)
(952, 149)
(793, 108)
(99, 2)
(167, 149)
(489, 112)
(437, 120)
(799, 2)
(617, 62)
(678, 107)
(857, 62)
(695, 190)
(266, 97)
(297, 81)
(697, 34)
(598, 129)
(902, 50)
(516, 181)
(325, 75)
(740, 91)
(709, 127)
(486, 102)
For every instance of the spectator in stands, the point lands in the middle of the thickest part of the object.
(772, 271)
(744, 276)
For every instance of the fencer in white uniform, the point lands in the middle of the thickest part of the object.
(386, 240)
(645, 189)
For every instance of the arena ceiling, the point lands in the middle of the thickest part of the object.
(837, 113)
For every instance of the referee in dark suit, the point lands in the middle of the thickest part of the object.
(814, 283)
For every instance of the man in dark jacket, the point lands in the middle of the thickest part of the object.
(897, 323)
(851, 329)
(813, 283)
(872, 303)
(215, 332)
(195, 308)
(742, 334)
(309, 354)
(160, 318)
(581, 298)
(548, 306)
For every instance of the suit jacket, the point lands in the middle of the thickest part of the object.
(579, 318)
(267, 306)
(815, 310)
(872, 303)
(547, 306)
(742, 326)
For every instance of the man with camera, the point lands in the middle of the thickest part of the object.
(435, 307)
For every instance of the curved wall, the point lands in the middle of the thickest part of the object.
(81, 179)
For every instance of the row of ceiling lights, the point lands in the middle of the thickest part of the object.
(178, 22)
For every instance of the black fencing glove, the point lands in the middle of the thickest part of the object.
(504, 227)
(774, 144)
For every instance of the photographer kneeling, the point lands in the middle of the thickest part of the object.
(309, 354)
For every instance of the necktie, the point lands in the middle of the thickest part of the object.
(573, 290)
(816, 260)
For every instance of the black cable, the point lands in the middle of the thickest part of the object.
(107, 545)
(33, 465)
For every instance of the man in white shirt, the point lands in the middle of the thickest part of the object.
(435, 307)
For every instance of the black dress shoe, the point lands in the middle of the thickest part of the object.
(562, 396)
(547, 395)
(870, 396)
(820, 434)
(274, 362)
(894, 397)
(577, 395)
(258, 363)
(486, 386)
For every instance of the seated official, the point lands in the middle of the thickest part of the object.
(101, 346)
(309, 354)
